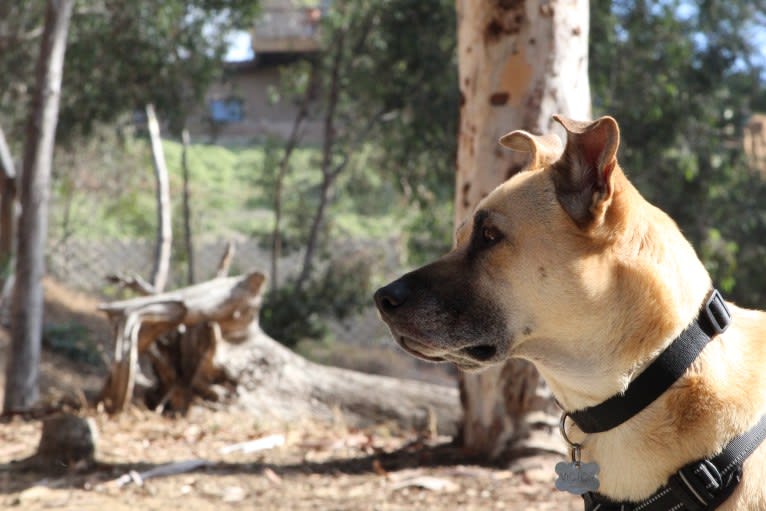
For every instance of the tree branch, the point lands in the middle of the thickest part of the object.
(225, 263)
(134, 282)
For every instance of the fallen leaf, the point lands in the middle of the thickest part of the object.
(272, 476)
(377, 467)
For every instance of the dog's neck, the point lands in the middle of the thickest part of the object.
(656, 292)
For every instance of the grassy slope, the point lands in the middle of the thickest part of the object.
(231, 192)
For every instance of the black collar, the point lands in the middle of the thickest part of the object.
(714, 317)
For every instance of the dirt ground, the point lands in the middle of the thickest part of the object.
(310, 466)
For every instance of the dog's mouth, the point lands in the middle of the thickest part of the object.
(480, 353)
(468, 358)
(417, 349)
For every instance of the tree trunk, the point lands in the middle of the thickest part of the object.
(520, 61)
(284, 165)
(329, 173)
(164, 226)
(21, 390)
(206, 337)
(187, 209)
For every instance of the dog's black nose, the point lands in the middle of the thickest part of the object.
(390, 297)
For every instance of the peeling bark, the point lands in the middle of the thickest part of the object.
(520, 62)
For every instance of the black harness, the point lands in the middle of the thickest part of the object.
(703, 484)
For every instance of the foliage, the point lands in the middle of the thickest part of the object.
(429, 231)
(682, 78)
(72, 341)
(121, 55)
(403, 126)
(419, 95)
(291, 313)
(105, 188)
(414, 144)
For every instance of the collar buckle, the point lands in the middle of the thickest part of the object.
(715, 313)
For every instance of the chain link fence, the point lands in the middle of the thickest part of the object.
(361, 342)
(86, 264)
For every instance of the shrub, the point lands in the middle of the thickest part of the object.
(342, 288)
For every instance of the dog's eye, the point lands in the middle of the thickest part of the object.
(491, 234)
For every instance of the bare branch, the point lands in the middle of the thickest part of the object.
(164, 224)
(134, 282)
(226, 258)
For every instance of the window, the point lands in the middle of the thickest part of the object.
(227, 110)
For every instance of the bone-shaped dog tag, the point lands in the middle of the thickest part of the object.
(577, 477)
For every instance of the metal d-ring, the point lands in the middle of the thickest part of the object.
(574, 447)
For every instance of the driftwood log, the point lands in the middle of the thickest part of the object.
(205, 341)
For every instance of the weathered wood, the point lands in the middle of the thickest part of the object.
(519, 63)
(21, 389)
(67, 440)
(275, 382)
(164, 225)
(128, 328)
(207, 334)
(223, 300)
(226, 258)
(133, 282)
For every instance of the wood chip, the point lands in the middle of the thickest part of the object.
(233, 494)
(427, 483)
(377, 467)
(272, 476)
(261, 444)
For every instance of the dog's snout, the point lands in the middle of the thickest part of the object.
(392, 296)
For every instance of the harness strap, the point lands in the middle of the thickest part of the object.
(699, 486)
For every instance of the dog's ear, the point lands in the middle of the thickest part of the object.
(543, 149)
(584, 176)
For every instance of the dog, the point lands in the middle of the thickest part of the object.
(566, 265)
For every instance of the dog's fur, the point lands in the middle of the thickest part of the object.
(568, 266)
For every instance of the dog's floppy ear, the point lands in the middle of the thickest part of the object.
(543, 149)
(584, 176)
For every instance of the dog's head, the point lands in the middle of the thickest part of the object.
(552, 262)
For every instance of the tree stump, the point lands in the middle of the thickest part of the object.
(201, 340)
(67, 440)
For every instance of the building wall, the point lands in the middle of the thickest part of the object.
(248, 84)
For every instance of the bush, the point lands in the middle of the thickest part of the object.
(341, 289)
(72, 341)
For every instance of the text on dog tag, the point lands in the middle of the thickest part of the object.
(577, 478)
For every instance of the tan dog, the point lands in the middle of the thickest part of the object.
(567, 266)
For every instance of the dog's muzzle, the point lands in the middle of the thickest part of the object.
(399, 308)
(390, 300)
